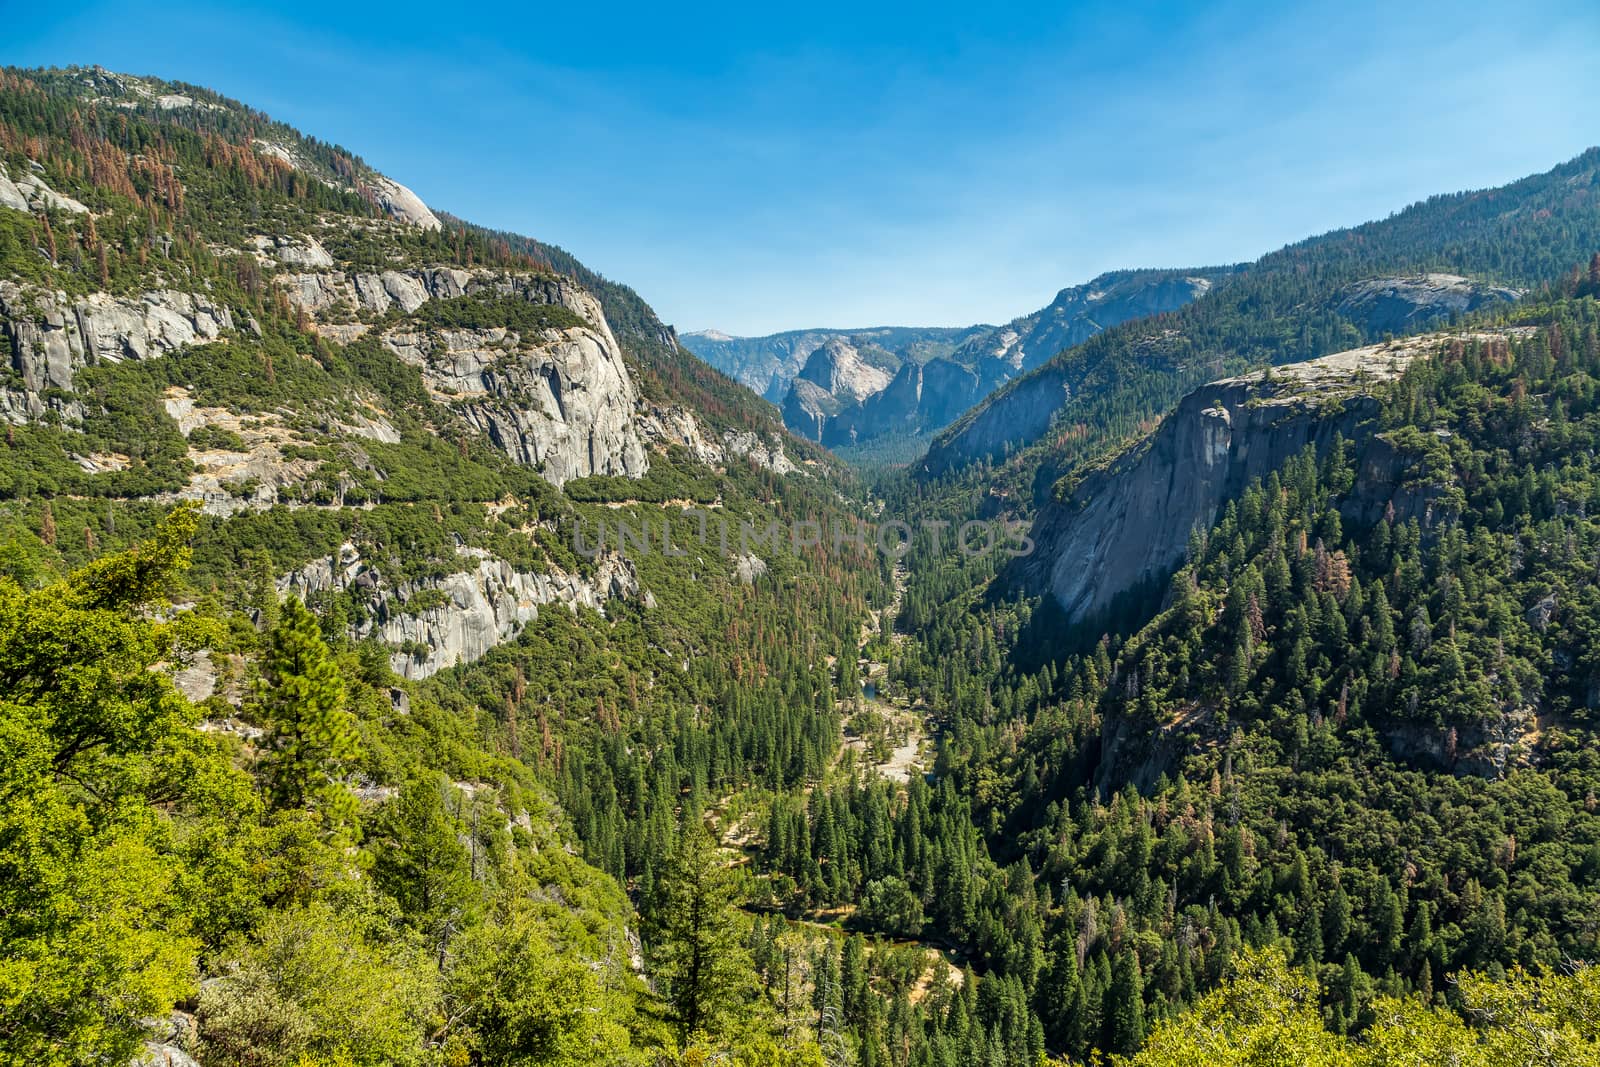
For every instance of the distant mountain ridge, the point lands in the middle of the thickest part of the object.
(933, 376)
(767, 364)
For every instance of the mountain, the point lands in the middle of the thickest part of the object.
(367, 577)
(1127, 524)
(410, 654)
(768, 364)
(1436, 259)
(928, 377)
(923, 388)
(1081, 311)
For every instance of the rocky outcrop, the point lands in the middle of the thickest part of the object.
(1128, 524)
(28, 192)
(560, 400)
(847, 372)
(748, 567)
(52, 337)
(1018, 414)
(667, 426)
(379, 292)
(836, 377)
(291, 252)
(768, 364)
(921, 397)
(1403, 305)
(808, 408)
(462, 615)
(320, 292)
(401, 203)
(764, 453)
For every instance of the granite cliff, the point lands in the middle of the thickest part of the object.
(915, 396)
(1126, 525)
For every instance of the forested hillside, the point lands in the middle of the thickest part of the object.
(409, 654)
(1364, 745)
(1303, 301)
(358, 756)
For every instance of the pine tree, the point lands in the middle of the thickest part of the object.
(1061, 995)
(312, 734)
(698, 952)
(1126, 1003)
(418, 859)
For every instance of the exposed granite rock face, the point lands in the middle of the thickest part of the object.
(672, 425)
(1129, 523)
(562, 403)
(11, 196)
(308, 253)
(808, 408)
(748, 567)
(1081, 311)
(668, 425)
(847, 372)
(922, 396)
(768, 455)
(843, 406)
(837, 377)
(407, 290)
(322, 291)
(52, 337)
(401, 203)
(28, 192)
(468, 613)
(1401, 305)
(1020, 413)
(559, 400)
(768, 364)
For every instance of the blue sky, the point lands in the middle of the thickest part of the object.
(756, 167)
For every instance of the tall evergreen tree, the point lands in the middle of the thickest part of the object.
(699, 956)
(418, 859)
(1125, 1003)
(312, 735)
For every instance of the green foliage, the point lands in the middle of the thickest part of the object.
(312, 735)
(312, 984)
(1265, 1015)
(420, 861)
(529, 1002)
(97, 910)
(508, 312)
(698, 955)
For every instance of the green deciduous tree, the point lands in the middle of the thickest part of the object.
(96, 920)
